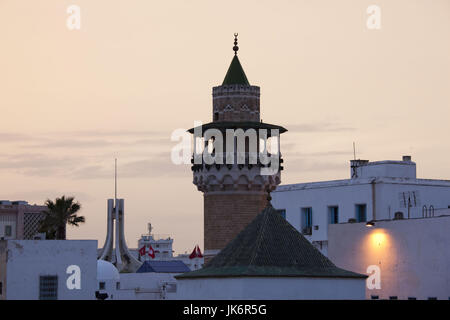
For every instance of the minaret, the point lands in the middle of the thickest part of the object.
(235, 192)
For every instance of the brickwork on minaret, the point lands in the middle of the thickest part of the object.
(220, 227)
(236, 103)
(233, 193)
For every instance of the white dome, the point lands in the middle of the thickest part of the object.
(106, 271)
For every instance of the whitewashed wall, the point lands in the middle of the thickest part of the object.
(276, 288)
(27, 260)
(8, 220)
(412, 255)
(145, 286)
(347, 193)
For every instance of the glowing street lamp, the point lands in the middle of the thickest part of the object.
(370, 223)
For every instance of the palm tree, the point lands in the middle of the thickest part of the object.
(59, 213)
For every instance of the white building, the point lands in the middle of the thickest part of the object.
(108, 280)
(406, 259)
(376, 190)
(162, 246)
(147, 286)
(113, 285)
(155, 282)
(48, 269)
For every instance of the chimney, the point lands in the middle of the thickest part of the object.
(406, 158)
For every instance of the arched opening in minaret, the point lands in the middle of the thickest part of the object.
(273, 144)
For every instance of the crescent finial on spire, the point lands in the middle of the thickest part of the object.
(235, 48)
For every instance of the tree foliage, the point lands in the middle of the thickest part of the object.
(59, 213)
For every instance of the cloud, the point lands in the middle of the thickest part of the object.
(153, 141)
(13, 137)
(113, 133)
(127, 140)
(308, 165)
(41, 195)
(35, 161)
(319, 127)
(77, 167)
(89, 154)
(92, 172)
(157, 165)
(330, 153)
(96, 143)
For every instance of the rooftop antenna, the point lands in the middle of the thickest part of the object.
(354, 165)
(150, 228)
(115, 180)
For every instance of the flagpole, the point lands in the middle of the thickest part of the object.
(115, 180)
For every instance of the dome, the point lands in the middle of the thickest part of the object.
(106, 271)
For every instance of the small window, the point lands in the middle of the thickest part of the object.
(333, 214)
(8, 231)
(117, 285)
(432, 298)
(1, 288)
(393, 298)
(398, 215)
(101, 286)
(361, 212)
(307, 220)
(412, 298)
(375, 297)
(216, 116)
(171, 288)
(282, 212)
(48, 287)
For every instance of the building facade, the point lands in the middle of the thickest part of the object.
(48, 269)
(381, 190)
(404, 258)
(19, 220)
(153, 281)
(271, 260)
(162, 247)
(147, 286)
(108, 280)
(234, 191)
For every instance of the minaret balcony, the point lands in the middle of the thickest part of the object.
(248, 161)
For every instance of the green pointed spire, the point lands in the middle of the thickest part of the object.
(235, 73)
(270, 246)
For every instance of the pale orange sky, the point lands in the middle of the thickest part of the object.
(72, 101)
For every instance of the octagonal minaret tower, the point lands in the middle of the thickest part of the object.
(234, 192)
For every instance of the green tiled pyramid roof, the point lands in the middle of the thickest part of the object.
(270, 247)
(235, 74)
